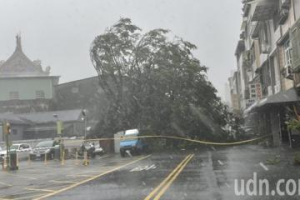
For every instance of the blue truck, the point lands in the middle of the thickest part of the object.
(131, 143)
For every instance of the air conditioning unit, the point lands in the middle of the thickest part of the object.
(288, 74)
(283, 15)
(285, 3)
(270, 91)
(265, 48)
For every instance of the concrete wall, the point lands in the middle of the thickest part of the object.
(297, 8)
(26, 87)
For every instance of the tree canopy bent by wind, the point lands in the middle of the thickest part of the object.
(154, 82)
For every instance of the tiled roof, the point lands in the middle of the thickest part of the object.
(43, 117)
(19, 64)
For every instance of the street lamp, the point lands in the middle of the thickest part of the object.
(59, 129)
(84, 113)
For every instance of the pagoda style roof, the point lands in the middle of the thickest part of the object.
(18, 64)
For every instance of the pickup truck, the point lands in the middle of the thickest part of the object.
(131, 143)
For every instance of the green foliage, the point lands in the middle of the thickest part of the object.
(235, 123)
(293, 124)
(274, 160)
(154, 83)
(297, 159)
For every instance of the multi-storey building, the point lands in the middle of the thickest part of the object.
(268, 58)
(24, 85)
(234, 93)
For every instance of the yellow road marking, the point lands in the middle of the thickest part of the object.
(80, 175)
(56, 181)
(9, 185)
(163, 190)
(28, 197)
(40, 190)
(20, 176)
(166, 179)
(90, 179)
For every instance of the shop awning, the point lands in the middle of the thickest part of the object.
(288, 96)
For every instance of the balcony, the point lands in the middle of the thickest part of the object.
(284, 15)
(284, 11)
(255, 30)
(246, 9)
(277, 36)
(243, 35)
(264, 10)
(240, 47)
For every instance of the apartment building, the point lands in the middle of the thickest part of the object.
(234, 93)
(268, 66)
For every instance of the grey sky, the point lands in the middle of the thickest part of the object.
(59, 32)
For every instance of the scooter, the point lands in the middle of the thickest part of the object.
(89, 148)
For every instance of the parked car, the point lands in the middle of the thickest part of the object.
(2, 154)
(43, 148)
(22, 150)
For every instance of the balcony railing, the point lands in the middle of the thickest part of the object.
(264, 10)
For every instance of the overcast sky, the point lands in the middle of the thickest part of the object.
(60, 32)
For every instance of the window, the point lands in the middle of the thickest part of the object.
(24, 146)
(276, 18)
(14, 131)
(13, 95)
(75, 90)
(40, 94)
(287, 53)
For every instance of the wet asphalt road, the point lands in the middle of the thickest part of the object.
(206, 174)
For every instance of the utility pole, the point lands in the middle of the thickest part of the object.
(84, 113)
(59, 129)
(6, 128)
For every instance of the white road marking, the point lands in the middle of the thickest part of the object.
(16, 175)
(151, 167)
(6, 184)
(227, 185)
(264, 166)
(213, 148)
(220, 162)
(146, 168)
(128, 153)
(136, 169)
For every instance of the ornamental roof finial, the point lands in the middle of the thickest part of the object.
(19, 44)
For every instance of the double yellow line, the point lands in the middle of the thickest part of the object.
(165, 184)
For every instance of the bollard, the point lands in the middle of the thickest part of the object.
(17, 157)
(45, 161)
(85, 159)
(63, 158)
(29, 160)
(76, 158)
(4, 164)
